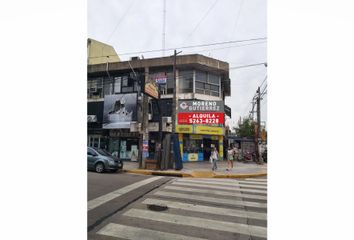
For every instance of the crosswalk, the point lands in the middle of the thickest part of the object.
(195, 209)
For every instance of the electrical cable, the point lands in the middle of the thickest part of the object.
(195, 28)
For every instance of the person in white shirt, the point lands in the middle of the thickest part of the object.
(213, 158)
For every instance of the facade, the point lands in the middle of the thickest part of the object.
(116, 115)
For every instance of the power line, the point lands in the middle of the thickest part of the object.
(237, 18)
(120, 20)
(194, 46)
(206, 50)
(195, 28)
(244, 66)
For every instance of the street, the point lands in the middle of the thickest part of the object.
(128, 206)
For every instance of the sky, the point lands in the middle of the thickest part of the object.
(137, 25)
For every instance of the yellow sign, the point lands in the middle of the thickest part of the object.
(208, 130)
(151, 89)
(184, 128)
(192, 156)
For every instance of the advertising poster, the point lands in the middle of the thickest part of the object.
(119, 110)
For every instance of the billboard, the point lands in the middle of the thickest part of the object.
(200, 106)
(119, 110)
(201, 118)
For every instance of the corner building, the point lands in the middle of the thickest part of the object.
(202, 82)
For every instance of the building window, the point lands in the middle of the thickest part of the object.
(117, 84)
(186, 81)
(95, 88)
(207, 83)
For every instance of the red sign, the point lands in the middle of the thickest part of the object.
(201, 118)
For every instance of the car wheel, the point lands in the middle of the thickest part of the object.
(99, 167)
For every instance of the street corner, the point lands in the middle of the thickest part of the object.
(203, 174)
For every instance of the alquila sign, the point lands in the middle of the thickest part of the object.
(200, 106)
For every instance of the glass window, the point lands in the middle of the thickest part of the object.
(199, 85)
(214, 88)
(95, 88)
(117, 84)
(201, 76)
(125, 81)
(186, 81)
(199, 91)
(215, 93)
(214, 79)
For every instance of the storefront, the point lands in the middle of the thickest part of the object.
(196, 141)
(124, 144)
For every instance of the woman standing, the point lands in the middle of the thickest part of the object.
(230, 159)
(213, 158)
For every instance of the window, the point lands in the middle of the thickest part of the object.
(117, 84)
(207, 83)
(186, 81)
(95, 88)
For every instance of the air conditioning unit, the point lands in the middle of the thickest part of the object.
(166, 124)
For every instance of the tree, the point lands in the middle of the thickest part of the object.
(246, 128)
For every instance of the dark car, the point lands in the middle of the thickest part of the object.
(101, 160)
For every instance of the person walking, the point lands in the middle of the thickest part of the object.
(213, 158)
(230, 159)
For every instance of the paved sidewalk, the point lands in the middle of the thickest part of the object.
(203, 169)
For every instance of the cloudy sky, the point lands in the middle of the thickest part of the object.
(137, 25)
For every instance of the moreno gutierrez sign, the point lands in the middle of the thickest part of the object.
(200, 106)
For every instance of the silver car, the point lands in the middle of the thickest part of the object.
(101, 161)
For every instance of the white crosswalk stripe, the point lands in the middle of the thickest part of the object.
(223, 183)
(216, 192)
(235, 188)
(207, 209)
(109, 196)
(135, 233)
(211, 199)
(256, 179)
(214, 206)
(198, 222)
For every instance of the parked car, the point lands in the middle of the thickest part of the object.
(100, 161)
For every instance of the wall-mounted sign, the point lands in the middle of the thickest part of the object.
(151, 89)
(119, 110)
(193, 157)
(200, 129)
(184, 128)
(161, 78)
(200, 106)
(209, 130)
(201, 118)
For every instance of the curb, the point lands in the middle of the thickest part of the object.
(194, 174)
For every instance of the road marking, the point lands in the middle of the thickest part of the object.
(211, 199)
(235, 189)
(222, 183)
(256, 179)
(198, 222)
(135, 233)
(109, 196)
(253, 183)
(223, 193)
(207, 209)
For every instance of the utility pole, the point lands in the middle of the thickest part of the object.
(145, 121)
(175, 93)
(259, 158)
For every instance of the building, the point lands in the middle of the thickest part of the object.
(116, 108)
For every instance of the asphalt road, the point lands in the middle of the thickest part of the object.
(179, 208)
(104, 198)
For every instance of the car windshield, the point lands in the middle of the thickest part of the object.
(103, 152)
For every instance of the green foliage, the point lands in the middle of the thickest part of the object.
(246, 128)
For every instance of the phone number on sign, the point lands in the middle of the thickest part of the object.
(203, 121)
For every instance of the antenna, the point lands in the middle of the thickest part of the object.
(163, 27)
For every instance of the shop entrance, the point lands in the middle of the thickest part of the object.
(207, 147)
(95, 141)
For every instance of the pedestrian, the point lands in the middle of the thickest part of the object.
(235, 153)
(213, 158)
(230, 159)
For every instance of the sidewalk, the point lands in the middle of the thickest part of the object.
(203, 170)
